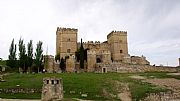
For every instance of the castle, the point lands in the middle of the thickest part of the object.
(114, 50)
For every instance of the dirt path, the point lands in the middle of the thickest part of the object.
(125, 96)
(123, 91)
(137, 77)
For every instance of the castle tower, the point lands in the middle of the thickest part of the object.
(91, 60)
(66, 41)
(49, 63)
(118, 45)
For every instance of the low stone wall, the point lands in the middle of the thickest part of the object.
(131, 68)
(20, 90)
(162, 96)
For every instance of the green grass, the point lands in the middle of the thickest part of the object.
(89, 83)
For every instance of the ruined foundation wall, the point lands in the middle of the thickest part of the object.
(52, 89)
(130, 68)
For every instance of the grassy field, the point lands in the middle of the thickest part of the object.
(90, 83)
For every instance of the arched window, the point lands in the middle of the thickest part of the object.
(98, 60)
(121, 51)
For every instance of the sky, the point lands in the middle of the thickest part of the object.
(153, 26)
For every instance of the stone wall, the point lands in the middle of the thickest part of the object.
(97, 45)
(52, 89)
(139, 60)
(162, 96)
(91, 60)
(49, 63)
(70, 64)
(130, 68)
(20, 90)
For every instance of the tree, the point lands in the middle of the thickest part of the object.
(12, 55)
(81, 56)
(77, 54)
(57, 57)
(39, 55)
(85, 54)
(30, 54)
(22, 55)
(62, 64)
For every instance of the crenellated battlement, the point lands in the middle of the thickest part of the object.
(91, 52)
(117, 33)
(95, 45)
(105, 52)
(91, 42)
(61, 29)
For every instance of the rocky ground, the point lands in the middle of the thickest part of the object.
(168, 83)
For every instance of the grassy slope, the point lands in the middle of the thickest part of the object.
(84, 82)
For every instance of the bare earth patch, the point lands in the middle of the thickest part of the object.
(124, 92)
(125, 96)
(137, 77)
(176, 74)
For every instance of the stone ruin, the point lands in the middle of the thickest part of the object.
(52, 89)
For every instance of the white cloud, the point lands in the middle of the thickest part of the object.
(153, 26)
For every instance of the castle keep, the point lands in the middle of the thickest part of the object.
(66, 41)
(114, 50)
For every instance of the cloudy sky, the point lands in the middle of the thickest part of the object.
(153, 26)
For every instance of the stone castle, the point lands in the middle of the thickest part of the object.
(114, 50)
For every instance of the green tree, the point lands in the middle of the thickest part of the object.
(30, 54)
(57, 57)
(77, 54)
(12, 62)
(63, 65)
(22, 55)
(81, 56)
(39, 55)
(85, 54)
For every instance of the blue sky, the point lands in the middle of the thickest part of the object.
(153, 26)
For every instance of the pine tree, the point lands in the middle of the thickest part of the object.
(30, 54)
(81, 56)
(22, 55)
(12, 55)
(39, 55)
